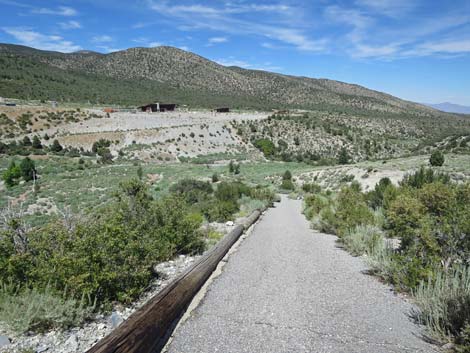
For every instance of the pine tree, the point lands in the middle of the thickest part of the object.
(56, 146)
(37, 143)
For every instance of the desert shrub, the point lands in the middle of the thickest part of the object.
(436, 159)
(26, 141)
(219, 210)
(405, 218)
(375, 198)
(314, 204)
(266, 146)
(56, 146)
(105, 155)
(287, 175)
(108, 256)
(362, 239)
(325, 221)
(444, 302)
(351, 210)
(26, 309)
(101, 143)
(28, 169)
(264, 194)
(343, 156)
(248, 205)
(381, 263)
(311, 188)
(12, 174)
(437, 198)
(347, 178)
(424, 176)
(287, 185)
(192, 190)
(231, 191)
(36, 142)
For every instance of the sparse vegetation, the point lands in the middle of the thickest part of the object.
(429, 216)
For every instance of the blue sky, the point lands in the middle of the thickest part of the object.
(415, 49)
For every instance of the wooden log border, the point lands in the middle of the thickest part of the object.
(148, 329)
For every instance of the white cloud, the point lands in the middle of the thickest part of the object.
(217, 40)
(392, 8)
(102, 39)
(60, 11)
(108, 49)
(346, 16)
(155, 44)
(231, 61)
(224, 19)
(70, 25)
(28, 37)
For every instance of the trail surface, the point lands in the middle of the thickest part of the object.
(289, 289)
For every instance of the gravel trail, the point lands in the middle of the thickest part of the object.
(290, 289)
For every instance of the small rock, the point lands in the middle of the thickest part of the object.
(449, 346)
(115, 319)
(4, 341)
(41, 349)
(229, 224)
(72, 343)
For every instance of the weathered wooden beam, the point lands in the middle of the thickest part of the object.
(148, 329)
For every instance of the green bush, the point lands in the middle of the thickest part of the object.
(231, 191)
(287, 185)
(314, 204)
(12, 174)
(351, 210)
(424, 176)
(266, 146)
(343, 156)
(28, 169)
(219, 210)
(192, 190)
(56, 146)
(108, 256)
(375, 198)
(437, 159)
(36, 142)
(311, 188)
(25, 309)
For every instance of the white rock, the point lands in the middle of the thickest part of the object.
(4, 341)
(229, 224)
(72, 343)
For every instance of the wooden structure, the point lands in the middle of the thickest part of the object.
(148, 329)
(158, 107)
(222, 110)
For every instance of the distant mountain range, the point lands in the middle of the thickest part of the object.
(141, 75)
(450, 107)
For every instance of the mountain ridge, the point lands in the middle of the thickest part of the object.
(184, 71)
(449, 107)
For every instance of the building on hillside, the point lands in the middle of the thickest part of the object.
(222, 110)
(158, 107)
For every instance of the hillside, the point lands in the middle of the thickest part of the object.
(138, 75)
